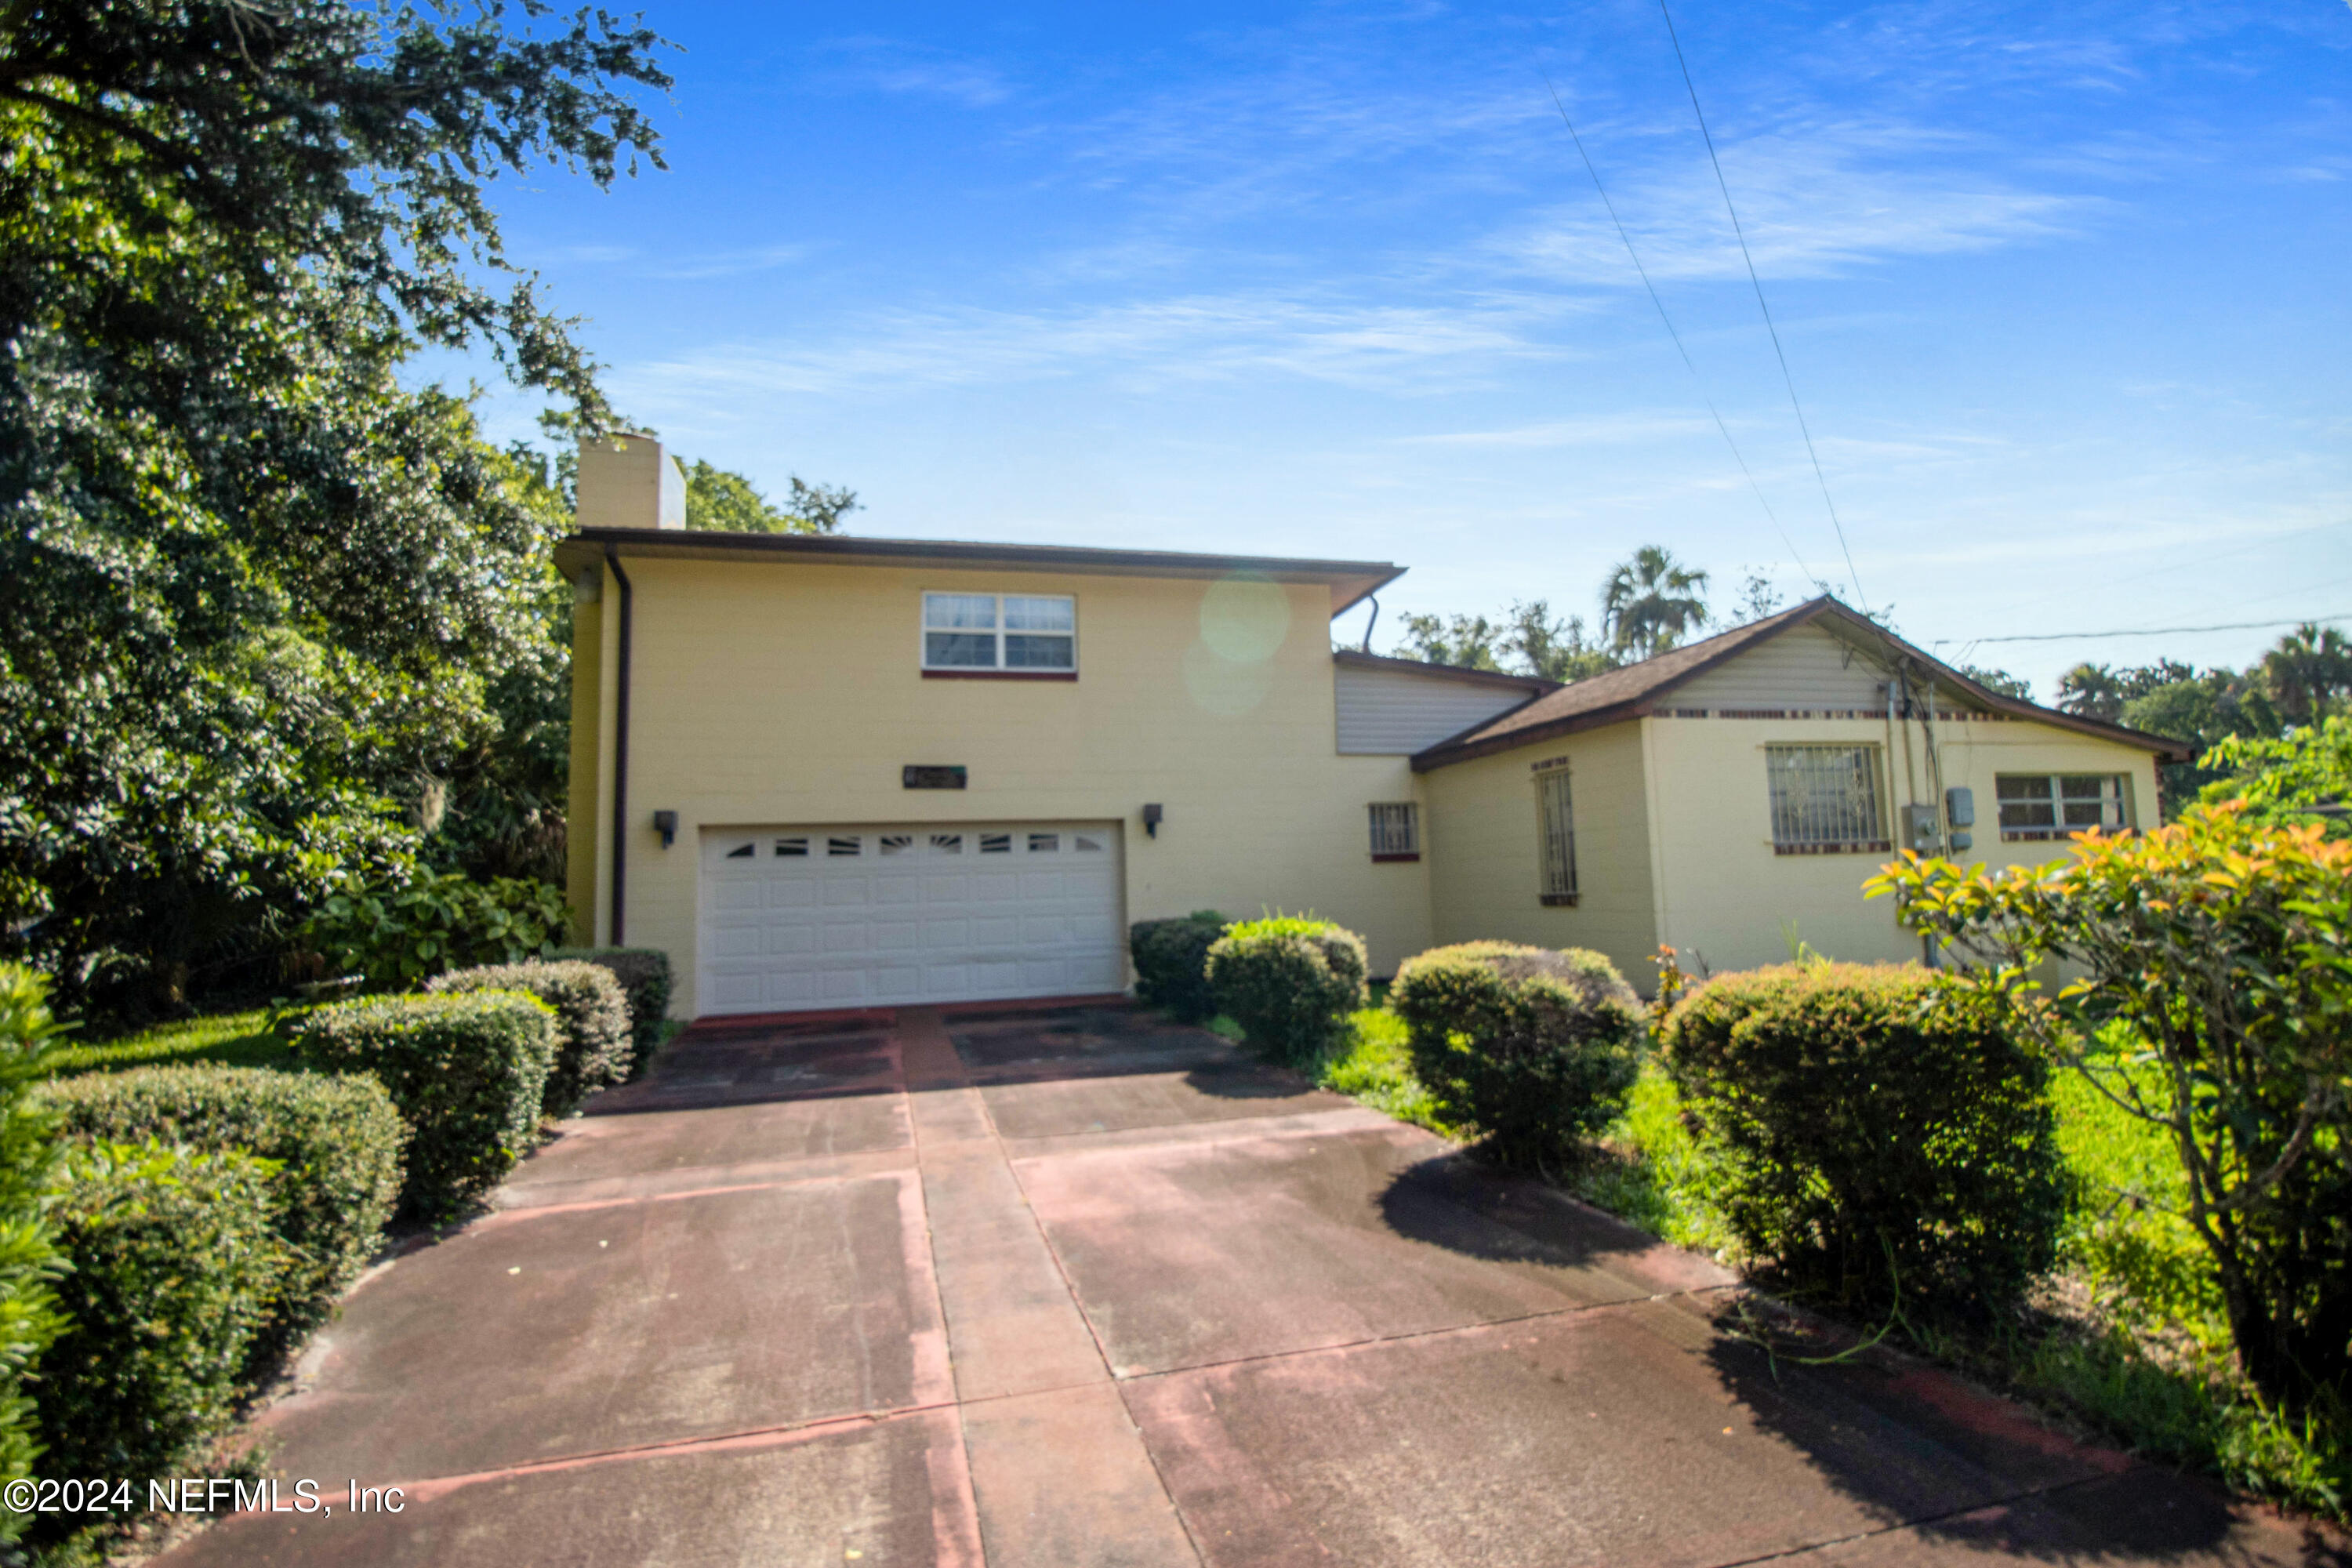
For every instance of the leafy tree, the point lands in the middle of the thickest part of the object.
(2302, 777)
(2221, 947)
(2206, 710)
(1465, 642)
(1651, 602)
(2309, 674)
(1524, 640)
(254, 594)
(2093, 691)
(2000, 680)
(720, 499)
(30, 1260)
(1554, 649)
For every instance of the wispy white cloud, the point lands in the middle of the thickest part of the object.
(1812, 202)
(891, 66)
(1608, 430)
(729, 263)
(1194, 338)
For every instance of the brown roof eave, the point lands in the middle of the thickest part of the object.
(1350, 582)
(1446, 753)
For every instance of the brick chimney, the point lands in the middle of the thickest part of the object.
(626, 481)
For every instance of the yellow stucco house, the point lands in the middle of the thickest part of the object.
(826, 771)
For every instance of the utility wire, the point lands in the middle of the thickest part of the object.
(2158, 631)
(1790, 381)
(1669, 324)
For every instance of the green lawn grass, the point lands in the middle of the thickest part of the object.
(236, 1039)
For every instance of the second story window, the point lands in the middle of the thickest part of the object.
(1037, 632)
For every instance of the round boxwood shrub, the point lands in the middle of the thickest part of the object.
(336, 1140)
(1171, 963)
(1535, 1048)
(591, 1010)
(1290, 980)
(466, 1070)
(644, 973)
(175, 1263)
(1878, 1142)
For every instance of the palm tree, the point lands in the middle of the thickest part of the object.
(1651, 602)
(2309, 670)
(2091, 690)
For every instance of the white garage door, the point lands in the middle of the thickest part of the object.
(851, 917)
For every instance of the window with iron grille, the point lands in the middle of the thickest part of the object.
(1556, 836)
(2052, 805)
(1825, 800)
(1396, 832)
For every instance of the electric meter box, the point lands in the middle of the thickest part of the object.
(1960, 806)
(1920, 828)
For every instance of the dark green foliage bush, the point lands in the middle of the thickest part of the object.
(175, 1266)
(401, 931)
(1171, 963)
(645, 974)
(1535, 1048)
(466, 1072)
(1290, 980)
(1879, 1143)
(335, 1139)
(591, 1009)
(29, 1260)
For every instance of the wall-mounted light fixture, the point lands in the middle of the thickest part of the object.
(1152, 816)
(665, 824)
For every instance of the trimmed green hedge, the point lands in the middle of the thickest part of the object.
(1290, 980)
(175, 1263)
(645, 974)
(591, 1009)
(1171, 963)
(1536, 1049)
(1879, 1143)
(29, 1257)
(336, 1140)
(467, 1071)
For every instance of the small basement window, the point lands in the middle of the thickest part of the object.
(1825, 800)
(1032, 633)
(1396, 831)
(1556, 836)
(2054, 806)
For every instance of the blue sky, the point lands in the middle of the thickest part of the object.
(2063, 289)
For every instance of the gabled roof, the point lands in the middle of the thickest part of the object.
(1533, 685)
(1638, 689)
(1349, 581)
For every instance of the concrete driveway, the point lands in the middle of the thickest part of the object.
(1075, 1287)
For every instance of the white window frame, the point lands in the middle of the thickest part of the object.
(1395, 829)
(1556, 836)
(2114, 801)
(1873, 772)
(998, 630)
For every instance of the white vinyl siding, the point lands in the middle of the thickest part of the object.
(2054, 806)
(1803, 668)
(1556, 836)
(1385, 712)
(1825, 800)
(1000, 631)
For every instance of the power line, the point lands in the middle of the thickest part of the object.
(2156, 631)
(1742, 234)
(1668, 322)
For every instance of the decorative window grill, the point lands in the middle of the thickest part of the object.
(742, 852)
(896, 843)
(947, 843)
(1088, 846)
(996, 843)
(2054, 806)
(1825, 800)
(845, 846)
(1396, 831)
(1556, 836)
(791, 847)
(1035, 632)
